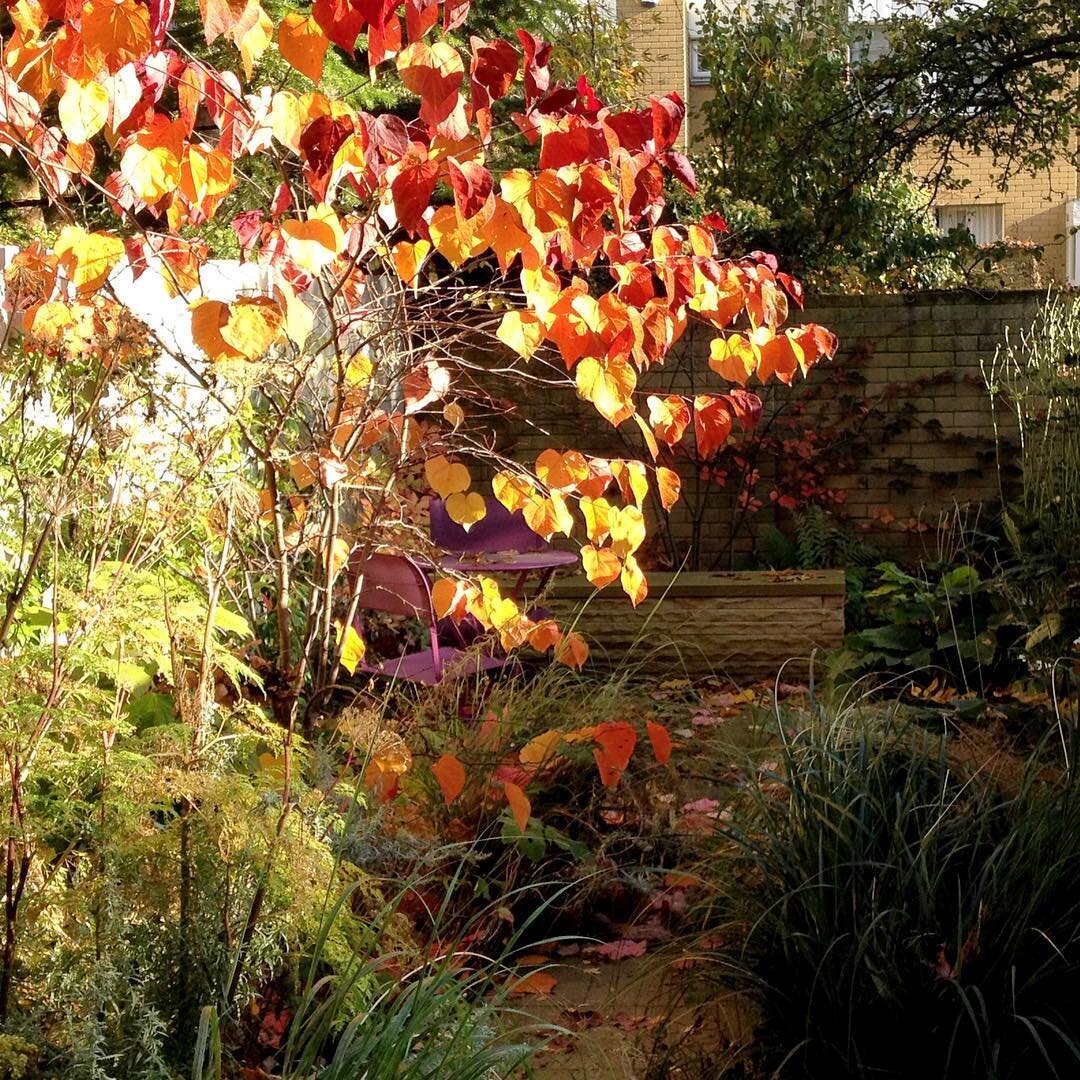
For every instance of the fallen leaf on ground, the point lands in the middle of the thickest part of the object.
(537, 982)
(617, 950)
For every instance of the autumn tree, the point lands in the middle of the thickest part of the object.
(838, 121)
(406, 293)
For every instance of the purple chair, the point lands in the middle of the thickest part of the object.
(397, 585)
(498, 530)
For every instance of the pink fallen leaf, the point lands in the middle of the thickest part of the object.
(618, 950)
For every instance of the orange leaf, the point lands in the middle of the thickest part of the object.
(660, 739)
(539, 751)
(449, 597)
(445, 476)
(669, 417)
(457, 239)
(115, 34)
(536, 982)
(668, 484)
(409, 257)
(562, 471)
(572, 650)
(519, 803)
(601, 565)
(544, 635)
(303, 44)
(450, 774)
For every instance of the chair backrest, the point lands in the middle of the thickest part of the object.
(394, 584)
(498, 530)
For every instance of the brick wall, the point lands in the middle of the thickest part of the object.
(915, 424)
(660, 33)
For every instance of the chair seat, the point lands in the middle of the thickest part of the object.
(420, 666)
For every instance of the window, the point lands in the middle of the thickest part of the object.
(986, 222)
(699, 73)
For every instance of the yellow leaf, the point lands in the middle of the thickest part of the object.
(287, 119)
(244, 329)
(446, 477)
(627, 527)
(255, 32)
(87, 258)
(512, 489)
(540, 750)
(609, 384)
(453, 414)
(358, 372)
(466, 508)
(303, 44)
(299, 318)
(83, 110)
(207, 319)
(601, 565)
(521, 331)
(352, 649)
(633, 581)
(314, 243)
(252, 326)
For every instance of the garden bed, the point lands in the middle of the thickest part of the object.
(744, 624)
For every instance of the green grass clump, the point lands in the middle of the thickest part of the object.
(890, 917)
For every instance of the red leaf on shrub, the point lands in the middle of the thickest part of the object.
(472, 185)
(661, 741)
(617, 740)
(746, 406)
(712, 423)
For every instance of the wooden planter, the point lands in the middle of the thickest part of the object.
(744, 625)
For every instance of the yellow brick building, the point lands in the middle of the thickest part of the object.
(1039, 209)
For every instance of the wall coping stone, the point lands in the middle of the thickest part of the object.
(720, 585)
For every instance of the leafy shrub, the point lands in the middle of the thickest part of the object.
(891, 918)
(941, 619)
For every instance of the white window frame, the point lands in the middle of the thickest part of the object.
(985, 221)
(699, 75)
